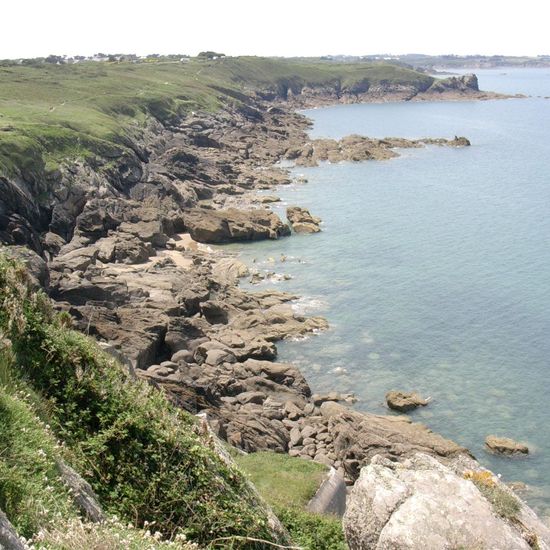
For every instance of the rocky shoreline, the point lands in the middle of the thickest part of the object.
(125, 254)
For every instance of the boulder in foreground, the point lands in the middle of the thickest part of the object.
(420, 503)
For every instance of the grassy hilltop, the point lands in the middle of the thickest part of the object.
(53, 112)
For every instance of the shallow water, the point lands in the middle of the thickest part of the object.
(433, 269)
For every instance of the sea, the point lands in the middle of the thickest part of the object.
(433, 268)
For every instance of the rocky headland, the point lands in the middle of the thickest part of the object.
(121, 244)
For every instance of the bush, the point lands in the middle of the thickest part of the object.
(312, 531)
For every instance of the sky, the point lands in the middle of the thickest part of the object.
(33, 28)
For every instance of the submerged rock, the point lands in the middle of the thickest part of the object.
(505, 446)
(405, 401)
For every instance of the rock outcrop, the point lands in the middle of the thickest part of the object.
(302, 221)
(465, 84)
(82, 493)
(505, 446)
(356, 148)
(404, 401)
(420, 503)
(221, 226)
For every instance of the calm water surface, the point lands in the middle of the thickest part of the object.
(433, 269)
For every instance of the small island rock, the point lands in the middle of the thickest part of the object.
(302, 221)
(505, 446)
(404, 401)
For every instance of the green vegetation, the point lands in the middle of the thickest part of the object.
(50, 112)
(504, 503)
(31, 492)
(76, 534)
(144, 458)
(288, 484)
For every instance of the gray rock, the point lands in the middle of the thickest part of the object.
(216, 357)
(217, 226)
(302, 221)
(421, 504)
(308, 431)
(251, 397)
(293, 411)
(330, 498)
(170, 365)
(158, 370)
(82, 493)
(9, 539)
(36, 266)
(183, 355)
(295, 437)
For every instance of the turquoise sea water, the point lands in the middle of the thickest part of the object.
(433, 269)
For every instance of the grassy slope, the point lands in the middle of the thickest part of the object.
(59, 111)
(288, 484)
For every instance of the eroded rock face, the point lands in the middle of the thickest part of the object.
(505, 446)
(219, 226)
(36, 267)
(420, 503)
(467, 83)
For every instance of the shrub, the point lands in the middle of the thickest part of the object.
(312, 531)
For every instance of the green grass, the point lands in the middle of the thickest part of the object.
(49, 113)
(282, 479)
(288, 484)
(143, 457)
(31, 491)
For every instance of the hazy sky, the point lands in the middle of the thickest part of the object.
(31, 28)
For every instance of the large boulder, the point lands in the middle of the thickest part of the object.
(218, 226)
(420, 503)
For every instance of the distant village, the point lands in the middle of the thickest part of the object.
(110, 58)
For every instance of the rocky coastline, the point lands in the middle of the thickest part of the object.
(123, 248)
